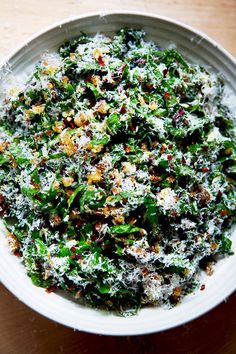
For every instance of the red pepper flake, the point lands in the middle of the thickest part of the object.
(165, 72)
(170, 146)
(173, 214)
(203, 286)
(73, 249)
(69, 122)
(3, 205)
(166, 95)
(98, 226)
(132, 128)
(85, 157)
(49, 132)
(155, 179)
(17, 254)
(179, 114)
(123, 110)
(79, 223)
(51, 289)
(150, 249)
(224, 212)
(219, 194)
(163, 148)
(128, 149)
(76, 256)
(2, 199)
(169, 157)
(101, 61)
(205, 169)
(93, 237)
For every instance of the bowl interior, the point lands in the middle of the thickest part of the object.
(198, 49)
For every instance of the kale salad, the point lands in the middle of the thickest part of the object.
(117, 167)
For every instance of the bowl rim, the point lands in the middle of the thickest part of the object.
(102, 14)
(5, 62)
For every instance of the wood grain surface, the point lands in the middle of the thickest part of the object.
(22, 331)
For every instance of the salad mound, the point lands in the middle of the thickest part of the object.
(117, 172)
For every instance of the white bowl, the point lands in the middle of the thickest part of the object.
(197, 47)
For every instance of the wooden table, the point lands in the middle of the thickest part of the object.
(24, 331)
